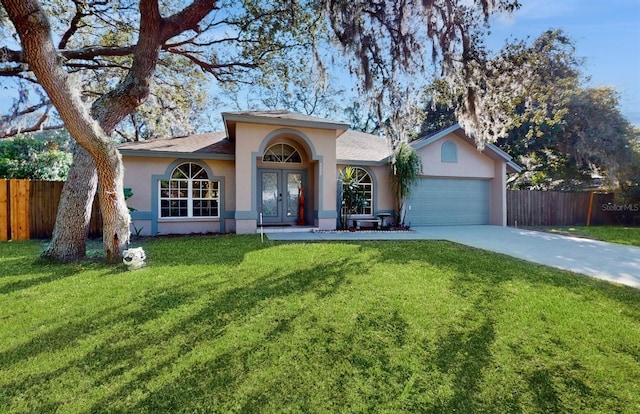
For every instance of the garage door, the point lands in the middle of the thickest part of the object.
(446, 201)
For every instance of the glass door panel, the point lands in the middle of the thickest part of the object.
(270, 195)
(279, 195)
(294, 183)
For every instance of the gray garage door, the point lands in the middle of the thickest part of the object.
(446, 201)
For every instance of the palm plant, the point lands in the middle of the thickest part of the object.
(405, 173)
(353, 197)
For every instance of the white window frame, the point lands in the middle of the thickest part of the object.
(176, 190)
(360, 174)
(279, 154)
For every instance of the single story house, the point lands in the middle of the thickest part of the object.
(283, 168)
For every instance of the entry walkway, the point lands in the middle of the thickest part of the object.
(608, 261)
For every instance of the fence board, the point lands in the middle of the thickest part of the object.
(28, 209)
(45, 196)
(44, 203)
(555, 208)
(19, 209)
(4, 210)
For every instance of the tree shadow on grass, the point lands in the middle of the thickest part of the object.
(161, 251)
(494, 269)
(206, 249)
(209, 322)
(485, 279)
(220, 383)
(53, 272)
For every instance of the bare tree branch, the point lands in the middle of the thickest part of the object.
(73, 24)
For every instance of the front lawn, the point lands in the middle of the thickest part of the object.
(227, 324)
(612, 234)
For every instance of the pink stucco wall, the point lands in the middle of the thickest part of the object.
(319, 150)
(471, 163)
(139, 173)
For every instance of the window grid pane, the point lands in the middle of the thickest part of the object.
(282, 153)
(187, 196)
(365, 185)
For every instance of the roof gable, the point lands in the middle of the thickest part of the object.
(281, 118)
(490, 150)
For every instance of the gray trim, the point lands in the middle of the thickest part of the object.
(423, 142)
(362, 163)
(293, 120)
(155, 197)
(282, 131)
(326, 214)
(245, 215)
(176, 154)
(498, 151)
(515, 166)
(260, 153)
(142, 215)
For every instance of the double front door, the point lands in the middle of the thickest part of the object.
(279, 195)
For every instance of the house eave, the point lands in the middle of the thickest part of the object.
(512, 167)
(418, 144)
(230, 118)
(363, 163)
(489, 148)
(177, 154)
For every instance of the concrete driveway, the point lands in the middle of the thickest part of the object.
(612, 262)
(608, 261)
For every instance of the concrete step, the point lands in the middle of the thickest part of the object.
(286, 229)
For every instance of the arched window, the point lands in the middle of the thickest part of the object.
(282, 153)
(365, 191)
(189, 193)
(449, 152)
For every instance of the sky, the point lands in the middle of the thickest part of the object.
(606, 33)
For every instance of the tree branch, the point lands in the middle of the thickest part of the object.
(85, 53)
(187, 19)
(73, 25)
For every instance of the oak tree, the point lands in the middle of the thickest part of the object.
(118, 46)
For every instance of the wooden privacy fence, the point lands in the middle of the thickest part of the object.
(28, 209)
(556, 208)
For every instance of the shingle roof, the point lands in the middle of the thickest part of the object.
(351, 146)
(355, 146)
(209, 143)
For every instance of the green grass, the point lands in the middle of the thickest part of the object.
(613, 234)
(227, 324)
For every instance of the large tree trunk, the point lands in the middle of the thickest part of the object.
(74, 210)
(116, 220)
(32, 25)
(69, 239)
(92, 130)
